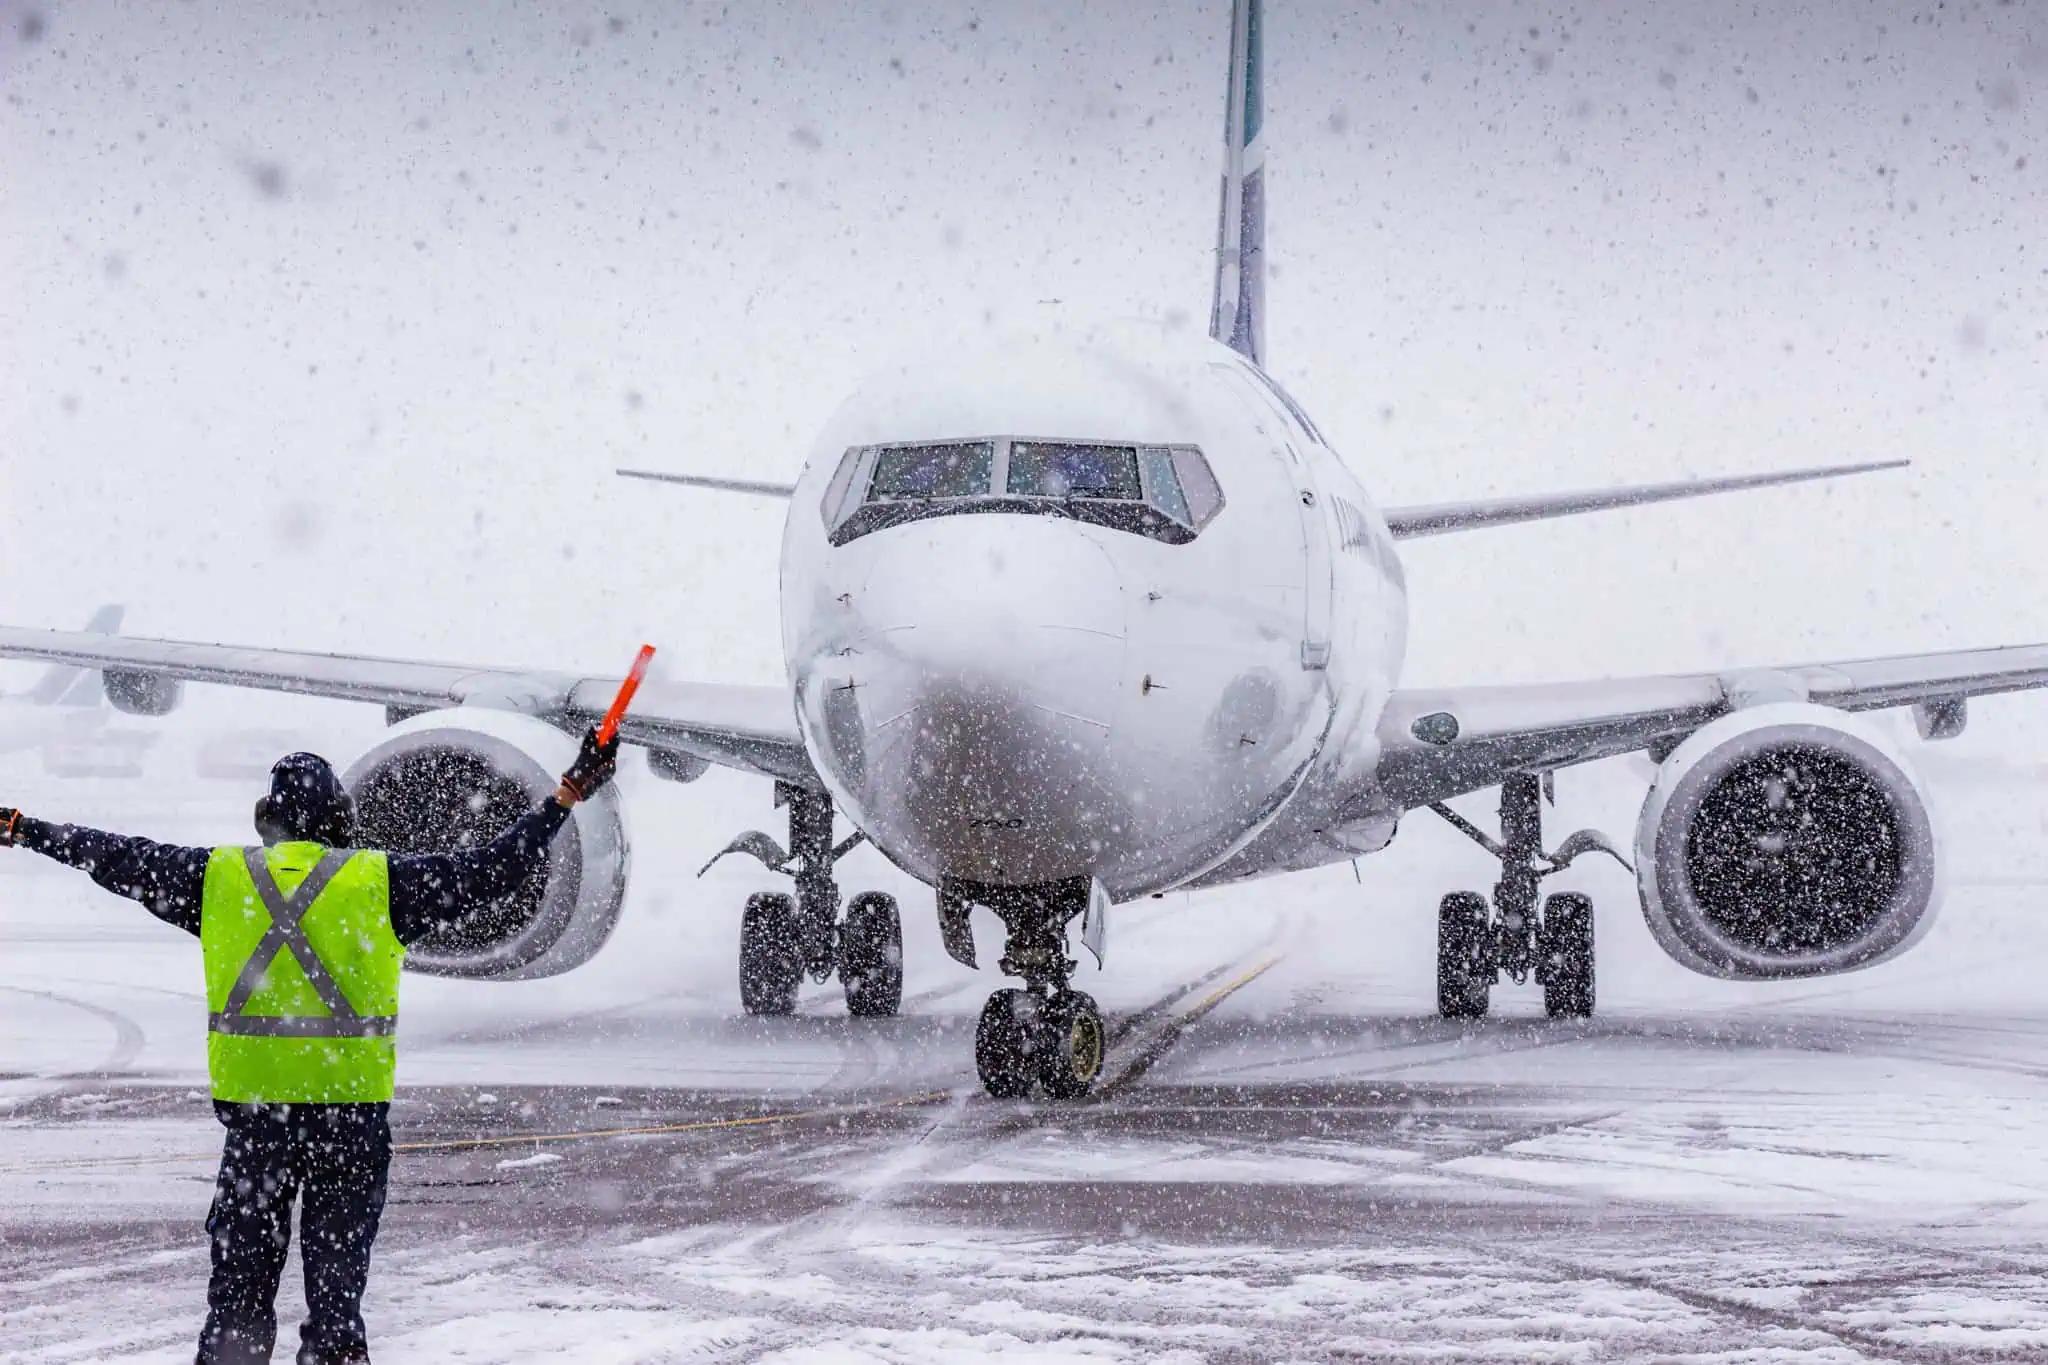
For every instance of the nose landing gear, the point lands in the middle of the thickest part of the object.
(1478, 944)
(1047, 1034)
(784, 936)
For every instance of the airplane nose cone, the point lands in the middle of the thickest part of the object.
(1035, 610)
(982, 683)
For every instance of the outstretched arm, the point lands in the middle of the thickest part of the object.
(166, 878)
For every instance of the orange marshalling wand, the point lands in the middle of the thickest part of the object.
(609, 726)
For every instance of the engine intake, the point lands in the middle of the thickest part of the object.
(141, 694)
(1786, 840)
(453, 779)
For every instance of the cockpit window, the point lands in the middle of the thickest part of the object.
(1164, 493)
(1205, 499)
(1061, 469)
(953, 469)
(1163, 484)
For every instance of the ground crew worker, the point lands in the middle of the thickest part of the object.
(302, 941)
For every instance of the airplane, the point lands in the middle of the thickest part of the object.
(63, 717)
(59, 685)
(1084, 615)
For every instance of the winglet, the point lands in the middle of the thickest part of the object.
(1435, 519)
(766, 489)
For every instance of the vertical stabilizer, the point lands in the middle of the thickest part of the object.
(1237, 318)
(61, 684)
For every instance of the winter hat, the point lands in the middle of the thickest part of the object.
(306, 801)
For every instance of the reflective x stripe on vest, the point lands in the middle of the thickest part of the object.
(286, 935)
(302, 985)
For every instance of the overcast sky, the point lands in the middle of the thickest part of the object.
(324, 326)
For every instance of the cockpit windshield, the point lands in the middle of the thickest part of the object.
(953, 469)
(1059, 469)
(1165, 493)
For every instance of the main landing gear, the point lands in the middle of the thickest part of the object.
(1047, 1034)
(784, 936)
(1476, 944)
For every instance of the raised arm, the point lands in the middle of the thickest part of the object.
(430, 891)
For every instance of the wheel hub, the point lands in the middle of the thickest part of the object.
(1084, 1047)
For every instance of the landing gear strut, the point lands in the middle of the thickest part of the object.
(783, 936)
(1046, 1034)
(1478, 944)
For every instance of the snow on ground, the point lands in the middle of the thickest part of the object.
(1841, 1170)
(397, 280)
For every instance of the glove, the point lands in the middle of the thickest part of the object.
(10, 820)
(594, 766)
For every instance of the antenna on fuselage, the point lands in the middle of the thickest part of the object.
(1237, 313)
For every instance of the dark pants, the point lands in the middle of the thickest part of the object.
(336, 1157)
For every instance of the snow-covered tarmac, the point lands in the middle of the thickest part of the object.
(1298, 1163)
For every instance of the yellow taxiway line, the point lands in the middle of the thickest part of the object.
(1151, 1051)
(1222, 993)
(655, 1129)
(1173, 1025)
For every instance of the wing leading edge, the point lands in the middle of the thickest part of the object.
(1440, 518)
(750, 728)
(763, 487)
(1440, 742)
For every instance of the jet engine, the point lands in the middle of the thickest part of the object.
(141, 694)
(453, 779)
(1786, 840)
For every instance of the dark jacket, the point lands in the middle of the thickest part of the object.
(429, 891)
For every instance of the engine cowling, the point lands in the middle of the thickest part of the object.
(141, 694)
(453, 779)
(1787, 840)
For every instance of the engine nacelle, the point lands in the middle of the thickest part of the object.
(676, 767)
(142, 694)
(1787, 840)
(453, 779)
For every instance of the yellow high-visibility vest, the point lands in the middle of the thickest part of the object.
(302, 975)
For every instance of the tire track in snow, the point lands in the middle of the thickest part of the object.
(129, 1040)
(1780, 1229)
(1137, 1039)
(1750, 1313)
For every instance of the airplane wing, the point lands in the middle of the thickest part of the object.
(1439, 518)
(750, 728)
(1439, 742)
(62, 685)
(765, 488)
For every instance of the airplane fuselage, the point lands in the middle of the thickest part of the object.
(1014, 697)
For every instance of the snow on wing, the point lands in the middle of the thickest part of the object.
(749, 728)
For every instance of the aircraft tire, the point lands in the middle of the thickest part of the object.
(1074, 1040)
(771, 958)
(871, 956)
(1566, 950)
(1004, 1040)
(1464, 958)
